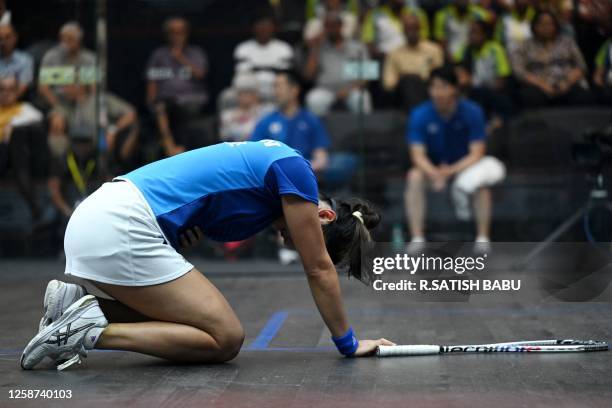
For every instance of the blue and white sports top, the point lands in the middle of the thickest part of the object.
(230, 190)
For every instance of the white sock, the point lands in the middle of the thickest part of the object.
(418, 239)
(482, 238)
(92, 337)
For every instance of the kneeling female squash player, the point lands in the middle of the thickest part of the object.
(121, 246)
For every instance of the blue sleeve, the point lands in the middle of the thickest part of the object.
(260, 132)
(320, 134)
(477, 124)
(415, 129)
(293, 175)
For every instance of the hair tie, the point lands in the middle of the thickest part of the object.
(358, 215)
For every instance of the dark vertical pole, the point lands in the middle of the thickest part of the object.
(100, 75)
(360, 132)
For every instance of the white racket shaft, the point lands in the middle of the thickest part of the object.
(413, 350)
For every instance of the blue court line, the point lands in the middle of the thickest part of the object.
(269, 331)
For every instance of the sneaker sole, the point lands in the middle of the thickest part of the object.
(42, 335)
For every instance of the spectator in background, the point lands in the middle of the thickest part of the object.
(407, 68)
(563, 10)
(514, 26)
(263, 55)
(550, 66)
(121, 132)
(452, 25)
(176, 91)
(602, 77)
(13, 62)
(294, 125)
(63, 68)
(484, 71)
(327, 58)
(237, 123)
(22, 141)
(383, 29)
(315, 14)
(446, 137)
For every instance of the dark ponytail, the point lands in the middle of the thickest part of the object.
(348, 236)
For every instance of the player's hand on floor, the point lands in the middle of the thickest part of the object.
(191, 237)
(368, 347)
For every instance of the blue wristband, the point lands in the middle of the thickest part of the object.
(347, 344)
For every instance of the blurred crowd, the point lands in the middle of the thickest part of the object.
(503, 55)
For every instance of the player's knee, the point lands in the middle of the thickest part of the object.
(230, 341)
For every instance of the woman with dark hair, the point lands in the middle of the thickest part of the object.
(121, 245)
(550, 66)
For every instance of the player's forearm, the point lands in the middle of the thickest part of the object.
(325, 289)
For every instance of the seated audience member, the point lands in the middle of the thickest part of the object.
(22, 141)
(263, 55)
(484, 71)
(383, 30)
(407, 68)
(176, 91)
(237, 123)
(61, 68)
(316, 13)
(13, 62)
(550, 66)
(446, 137)
(514, 26)
(602, 77)
(294, 125)
(121, 132)
(327, 59)
(452, 25)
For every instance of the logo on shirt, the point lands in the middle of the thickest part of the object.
(302, 126)
(432, 128)
(275, 128)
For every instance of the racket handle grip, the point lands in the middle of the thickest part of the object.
(414, 350)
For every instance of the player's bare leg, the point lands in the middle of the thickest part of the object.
(190, 321)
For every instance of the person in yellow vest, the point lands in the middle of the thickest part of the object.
(383, 30)
(452, 25)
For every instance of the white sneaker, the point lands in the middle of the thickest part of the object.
(416, 246)
(58, 297)
(66, 336)
(288, 256)
(482, 246)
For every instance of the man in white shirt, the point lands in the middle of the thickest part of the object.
(263, 55)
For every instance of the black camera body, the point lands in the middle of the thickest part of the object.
(594, 151)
